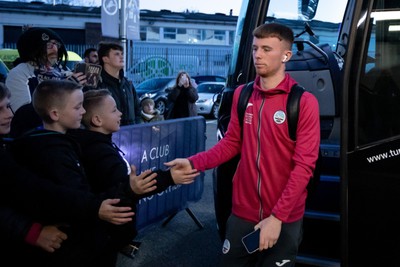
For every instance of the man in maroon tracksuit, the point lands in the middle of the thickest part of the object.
(269, 186)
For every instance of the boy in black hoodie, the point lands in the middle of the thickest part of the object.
(53, 155)
(27, 201)
(107, 169)
(18, 230)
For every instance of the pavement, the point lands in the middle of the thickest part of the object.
(181, 242)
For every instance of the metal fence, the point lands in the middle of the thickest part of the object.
(156, 60)
(147, 60)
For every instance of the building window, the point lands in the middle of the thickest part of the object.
(170, 33)
(194, 36)
(231, 37)
(143, 33)
(153, 34)
(219, 35)
(181, 36)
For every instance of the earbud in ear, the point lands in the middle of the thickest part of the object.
(284, 59)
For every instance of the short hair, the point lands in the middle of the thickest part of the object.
(146, 101)
(4, 91)
(277, 30)
(104, 50)
(88, 51)
(91, 100)
(50, 93)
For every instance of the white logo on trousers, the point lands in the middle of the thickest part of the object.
(282, 263)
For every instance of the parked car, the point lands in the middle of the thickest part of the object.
(208, 102)
(208, 78)
(156, 89)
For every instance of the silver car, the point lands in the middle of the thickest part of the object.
(209, 98)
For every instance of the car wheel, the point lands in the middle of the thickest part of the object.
(214, 110)
(160, 105)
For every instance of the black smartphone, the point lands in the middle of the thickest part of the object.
(251, 241)
(80, 67)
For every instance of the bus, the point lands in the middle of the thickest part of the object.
(347, 53)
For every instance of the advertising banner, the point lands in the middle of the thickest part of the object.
(149, 145)
(110, 18)
(133, 20)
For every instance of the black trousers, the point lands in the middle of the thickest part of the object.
(282, 254)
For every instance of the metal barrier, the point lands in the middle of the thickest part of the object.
(150, 145)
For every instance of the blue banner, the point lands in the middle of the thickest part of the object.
(149, 145)
(110, 18)
(133, 20)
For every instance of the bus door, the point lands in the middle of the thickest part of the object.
(370, 148)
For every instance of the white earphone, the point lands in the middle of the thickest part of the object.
(284, 59)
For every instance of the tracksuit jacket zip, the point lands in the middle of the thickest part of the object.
(273, 172)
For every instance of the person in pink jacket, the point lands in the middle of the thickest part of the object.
(269, 185)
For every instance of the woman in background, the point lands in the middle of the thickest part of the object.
(182, 98)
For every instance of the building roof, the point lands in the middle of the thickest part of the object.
(39, 7)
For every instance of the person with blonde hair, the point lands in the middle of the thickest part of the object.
(149, 113)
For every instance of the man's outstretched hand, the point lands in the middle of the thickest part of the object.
(181, 171)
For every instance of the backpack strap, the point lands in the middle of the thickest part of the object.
(293, 109)
(242, 103)
(292, 106)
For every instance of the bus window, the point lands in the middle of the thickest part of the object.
(294, 15)
(379, 92)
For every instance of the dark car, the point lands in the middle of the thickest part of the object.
(156, 89)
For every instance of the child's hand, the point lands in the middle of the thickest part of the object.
(144, 183)
(116, 215)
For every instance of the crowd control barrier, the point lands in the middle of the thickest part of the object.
(149, 145)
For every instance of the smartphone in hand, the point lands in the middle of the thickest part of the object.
(80, 67)
(92, 72)
(251, 241)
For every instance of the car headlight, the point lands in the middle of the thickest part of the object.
(147, 95)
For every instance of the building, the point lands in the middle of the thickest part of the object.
(169, 41)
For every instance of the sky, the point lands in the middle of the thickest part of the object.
(203, 6)
(326, 10)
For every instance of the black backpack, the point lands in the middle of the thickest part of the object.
(292, 113)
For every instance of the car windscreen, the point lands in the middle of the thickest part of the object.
(152, 84)
(209, 88)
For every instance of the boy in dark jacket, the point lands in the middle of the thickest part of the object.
(107, 169)
(111, 58)
(23, 223)
(18, 230)
(53, 155)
